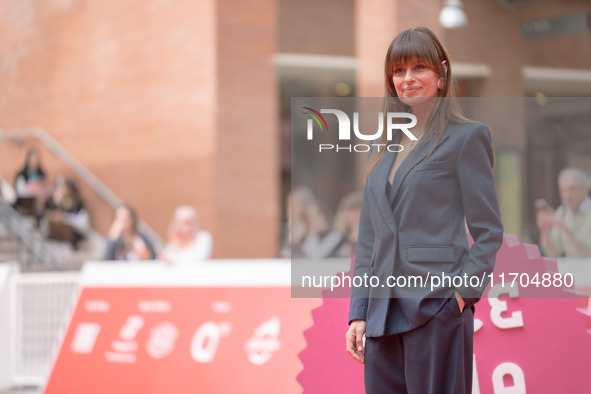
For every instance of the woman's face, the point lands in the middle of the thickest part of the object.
(123, 216)
(316, 220)
(33, 161)
(298, 205)
(414, 80)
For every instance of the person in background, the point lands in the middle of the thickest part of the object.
(346, 222)
(321, 241)
(566, 232)
(187, 242)
(7, 192)
(125, 241)
(65, 215)
(29, 183)
(295, 230)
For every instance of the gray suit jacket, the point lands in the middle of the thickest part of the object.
(419, 230)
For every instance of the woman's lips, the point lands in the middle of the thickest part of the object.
(411, 90)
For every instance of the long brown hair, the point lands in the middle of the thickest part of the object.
(419, 43)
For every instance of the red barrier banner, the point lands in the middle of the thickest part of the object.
(234, 339)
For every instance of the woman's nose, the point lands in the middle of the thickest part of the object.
(409, 75)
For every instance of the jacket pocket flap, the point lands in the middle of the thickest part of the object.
(431, 165)
(435, 254)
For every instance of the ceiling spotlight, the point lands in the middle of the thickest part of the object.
(452, 15)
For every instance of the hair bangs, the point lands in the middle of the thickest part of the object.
(413, 45)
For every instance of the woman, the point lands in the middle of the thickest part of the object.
(346, 222)
(419, 339)
(320, 240)
(188, 243)
(297, 203)
(29, 184)
(65, 215)
(124, 241)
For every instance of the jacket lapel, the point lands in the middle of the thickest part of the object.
(411, 161)
(378, 179)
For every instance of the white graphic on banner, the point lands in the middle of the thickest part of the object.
(85, 338)
(154, 306)
(206, 339)
(498, 307)
(124, 350)
(500, 318)
(162, 340)
(264, 342)
(93, 306)
(515, 372)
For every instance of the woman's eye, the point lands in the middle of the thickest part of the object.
(397, 70)
(420, 66)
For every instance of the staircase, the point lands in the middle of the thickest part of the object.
(21, 241)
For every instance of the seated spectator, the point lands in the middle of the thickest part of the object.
(187, 242)
(7, 193)
(320, 241)
(347, 223)
(566, 232)
(29, 184)
(64, 213)
(295, 230)
(124, 241)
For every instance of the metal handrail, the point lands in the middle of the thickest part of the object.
(60, 152)
(28, 237)
(106, 194)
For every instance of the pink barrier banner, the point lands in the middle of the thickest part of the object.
(521, 344)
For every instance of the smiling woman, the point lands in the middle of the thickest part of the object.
(417, 202)
(415, 79)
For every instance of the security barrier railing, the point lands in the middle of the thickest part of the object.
(39, 308)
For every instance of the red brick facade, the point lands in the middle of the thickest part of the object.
(166, 102)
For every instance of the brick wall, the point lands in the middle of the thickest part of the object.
(316, 27)
(132, 89)
(247, 162)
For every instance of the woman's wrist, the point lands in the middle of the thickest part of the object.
(461, 301)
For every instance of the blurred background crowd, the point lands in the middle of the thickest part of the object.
(57, 211)
(142, 107)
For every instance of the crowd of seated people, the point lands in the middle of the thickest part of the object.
(57, 207)
(311, 231)
(60, 215)
(187, 242)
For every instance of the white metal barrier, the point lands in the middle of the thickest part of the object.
(35, 309)
(6, 271)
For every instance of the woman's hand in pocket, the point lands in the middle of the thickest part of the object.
(460, 300)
